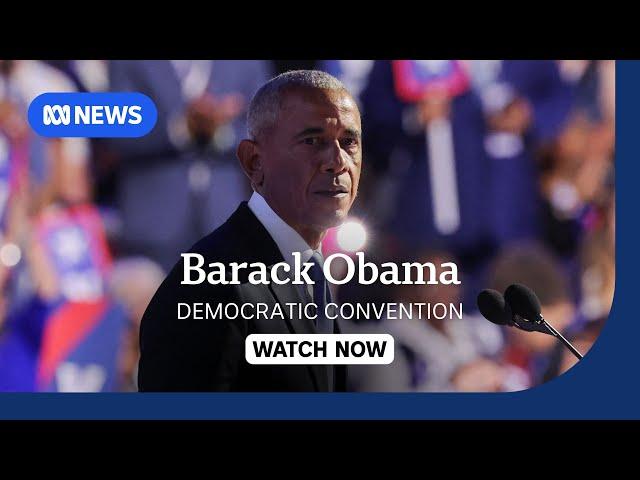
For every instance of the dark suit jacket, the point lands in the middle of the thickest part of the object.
(208, 355)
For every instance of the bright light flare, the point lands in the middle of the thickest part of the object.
(352, 236)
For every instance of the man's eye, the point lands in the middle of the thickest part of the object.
(312, 141)
(349, 142)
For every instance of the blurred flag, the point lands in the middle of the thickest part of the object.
(417, 79)
(82, 335)
(80, 344)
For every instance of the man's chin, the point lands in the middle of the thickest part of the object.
(329, 219)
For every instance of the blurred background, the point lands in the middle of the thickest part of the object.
(504, 167)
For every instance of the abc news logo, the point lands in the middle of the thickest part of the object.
(91, 115)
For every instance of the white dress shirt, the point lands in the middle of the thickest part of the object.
(286, 238)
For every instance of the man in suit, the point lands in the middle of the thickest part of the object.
(303, 159)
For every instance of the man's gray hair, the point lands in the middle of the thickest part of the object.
(265, 105)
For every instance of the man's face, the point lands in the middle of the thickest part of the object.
(311, 158)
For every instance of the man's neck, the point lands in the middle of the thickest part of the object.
(312, 236)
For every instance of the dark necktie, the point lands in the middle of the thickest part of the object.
(321, 293)
(321, 297)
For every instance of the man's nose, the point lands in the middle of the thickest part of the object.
(335, 159)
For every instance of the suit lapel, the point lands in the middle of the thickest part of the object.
(262, 248)
(288, 293)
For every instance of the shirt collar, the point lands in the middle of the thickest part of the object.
(287, 239)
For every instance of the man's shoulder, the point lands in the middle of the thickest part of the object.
(225, 243)
(242, 238)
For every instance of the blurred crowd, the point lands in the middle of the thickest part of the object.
(504, 167)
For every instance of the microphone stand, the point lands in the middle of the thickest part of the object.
(541, 325)
(559, 336)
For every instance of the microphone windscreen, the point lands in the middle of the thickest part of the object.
(492, 305)
(523, 301)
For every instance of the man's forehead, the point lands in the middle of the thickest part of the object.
(316, 102)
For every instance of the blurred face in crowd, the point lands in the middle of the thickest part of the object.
(307, 165)
(572, 144)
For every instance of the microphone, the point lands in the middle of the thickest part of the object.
(493, 307)
(526, 308)
(520, 308)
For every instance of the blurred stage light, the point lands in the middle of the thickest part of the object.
(10, 254)
(352, 236)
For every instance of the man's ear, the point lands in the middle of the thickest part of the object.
(249, 155)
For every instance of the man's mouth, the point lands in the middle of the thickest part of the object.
(333, 192)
